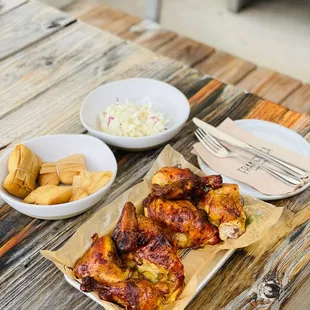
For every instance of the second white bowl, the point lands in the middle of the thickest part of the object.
(165, 98)
(98, 157)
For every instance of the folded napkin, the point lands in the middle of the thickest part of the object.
(238, 169)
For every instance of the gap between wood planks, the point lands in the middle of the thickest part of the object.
(220, 65)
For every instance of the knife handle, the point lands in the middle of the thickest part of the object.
(284, 178)
(293, 170)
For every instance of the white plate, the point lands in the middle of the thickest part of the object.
(98, 157)
(215, 265)
(276, 134)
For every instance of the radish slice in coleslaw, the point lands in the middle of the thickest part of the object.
(132, 120)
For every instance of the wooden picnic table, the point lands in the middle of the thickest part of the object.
(49, 62)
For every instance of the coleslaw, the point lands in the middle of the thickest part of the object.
(132, 120)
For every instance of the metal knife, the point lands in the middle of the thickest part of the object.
(217, 133)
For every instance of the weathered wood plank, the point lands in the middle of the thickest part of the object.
(103, 16)
(80, 7)
(45, 114)
(225, 67)
(122, 25)
(35, 69)
(269, 85)
(299, 100)
(21, 235)
(11, 222)
(7, 5)
(186, 79)
(268, 111)
(29, 23)
(186, 50)
(298, 295)
(143, 27)
(167, 43)
(272, 112)
(149, 35)
(146, 33)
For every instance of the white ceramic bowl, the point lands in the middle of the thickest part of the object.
(165, 99)
(98, 157)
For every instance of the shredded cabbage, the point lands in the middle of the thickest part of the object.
(132, 120)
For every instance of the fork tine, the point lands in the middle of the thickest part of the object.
(217, 143)
(209, 143)
(197, 134)
(214, 140)
(201, 141)
(209, 140)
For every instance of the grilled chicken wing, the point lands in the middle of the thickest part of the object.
(133, 294)
(101, 262)
(186, 223)
(126, 232)
(155, 257)
(225, 210)
(178, 183)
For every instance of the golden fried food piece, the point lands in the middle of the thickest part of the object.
(154, 256)
(225, 210)
(126, 232)
(187, 224)
(49, 195)
(101, 262)
(178, 183)
(133, 294)
(23, 167)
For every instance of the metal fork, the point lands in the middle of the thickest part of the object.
(219, 150)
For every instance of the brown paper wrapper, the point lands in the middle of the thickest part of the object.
(260, 217)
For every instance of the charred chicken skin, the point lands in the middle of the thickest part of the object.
(187, 224)
(225, 210)
(178, 183)
(101, 262)
(126, 232)
(154, 256)
(132, 294)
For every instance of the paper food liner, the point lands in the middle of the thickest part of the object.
(260, 217)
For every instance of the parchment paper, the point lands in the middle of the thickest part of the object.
(260, 217)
